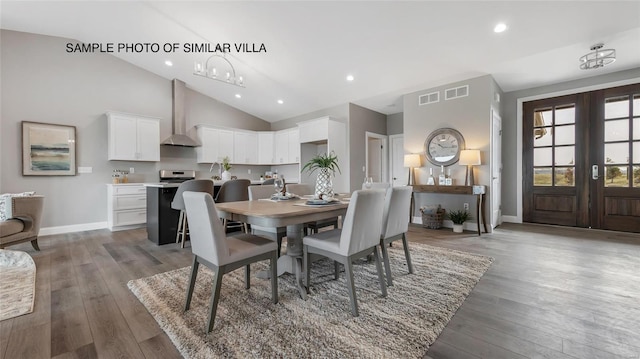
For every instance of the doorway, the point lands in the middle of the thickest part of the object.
(376, 156)
(399, 174)
(496, 169)
(581, 159)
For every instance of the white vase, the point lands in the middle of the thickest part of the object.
(324, 185)
(226, 175)
(457, 228)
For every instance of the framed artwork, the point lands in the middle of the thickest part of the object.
(48, 149)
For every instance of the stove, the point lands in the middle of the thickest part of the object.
(176, 176)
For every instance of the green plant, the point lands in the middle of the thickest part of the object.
(458, 216)
(225, 163)
(329, 161)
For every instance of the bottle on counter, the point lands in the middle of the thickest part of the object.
(431, 181)
(448, 181)
(442, 178)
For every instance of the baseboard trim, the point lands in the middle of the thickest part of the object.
(47, 231)
(511, 219)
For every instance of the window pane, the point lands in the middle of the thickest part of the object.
(565, 156)
(542, 156)
(616, 107)
(565, 115)
(636, 128)
(564, 176)
(616, 130)
(542, 118)
(636, 105)
(616, 153)
(542, 176)
(636, 176)
(616, 176)
(542, 136)
(565, 135)
(636, 153)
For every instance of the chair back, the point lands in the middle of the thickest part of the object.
(377, 185)
(234, 190)
(208, 238)
(268, 181)
(193, 186)
(361, 227)
(260, 192)
(395, 219)
(300, 189)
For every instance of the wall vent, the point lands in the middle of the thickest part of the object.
(456, 92)
(429, 98)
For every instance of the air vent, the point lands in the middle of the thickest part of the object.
(429, 98)
(456, 92)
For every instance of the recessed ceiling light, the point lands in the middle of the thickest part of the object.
(280, 102)
(350, 78)
(238, 95)
(168, 63)
(500, 27)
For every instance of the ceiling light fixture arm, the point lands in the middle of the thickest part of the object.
(210, 72)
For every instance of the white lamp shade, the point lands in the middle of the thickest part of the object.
(412, 160)
(469, 157)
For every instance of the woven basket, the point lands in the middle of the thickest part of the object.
(433, 220)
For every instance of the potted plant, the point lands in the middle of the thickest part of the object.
(458, 217)
(226, 166)
(327, 164)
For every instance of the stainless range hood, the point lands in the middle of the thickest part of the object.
(178, 134)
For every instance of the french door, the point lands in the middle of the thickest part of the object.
(581, 160)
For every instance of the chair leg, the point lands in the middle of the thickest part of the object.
(34, 244)
(307, 267)
(179, 226)
(383, 286)
(215, 296)
(185, 230)
(279, 240)
(336, 270)
(274, 278)
(405, 244)
(245, 227)
(192, 282)
(385, 259)
(348, 268)
(247, 277)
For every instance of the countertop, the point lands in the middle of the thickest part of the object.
(175, 185)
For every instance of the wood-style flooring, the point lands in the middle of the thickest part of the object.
(551, 292)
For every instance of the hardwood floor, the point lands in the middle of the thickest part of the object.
(551, 292)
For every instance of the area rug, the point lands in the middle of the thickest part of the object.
(249, 325)
(17, 283)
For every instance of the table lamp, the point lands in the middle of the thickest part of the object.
(469, 158)
(412, 161)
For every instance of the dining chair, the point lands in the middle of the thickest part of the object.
(268, 182)
(395, 224)
(178, 204)
(302, 189)
(211, 247)
(358, 238)
(232, 191)
(262, 192)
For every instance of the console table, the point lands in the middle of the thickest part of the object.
(479, 191)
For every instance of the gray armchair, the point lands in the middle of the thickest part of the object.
(24, 225)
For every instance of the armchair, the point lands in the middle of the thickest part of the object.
(24, 225)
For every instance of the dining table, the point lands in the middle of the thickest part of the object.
(290, 213)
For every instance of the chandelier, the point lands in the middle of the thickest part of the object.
(598, 58)
(224, 72)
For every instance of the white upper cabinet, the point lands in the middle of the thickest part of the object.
(293, 138)
(314, 130)
(245, 147)
(132, 137)
(208, 152)
(266, 151)
(281, 147)
(225, 145)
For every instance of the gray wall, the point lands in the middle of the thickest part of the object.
(394, 124)
(338, 113)
(470, 116)
(361, 120)
(43, 83)
(510, 121)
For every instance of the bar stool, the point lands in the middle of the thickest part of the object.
(232, 191)
(178, 203)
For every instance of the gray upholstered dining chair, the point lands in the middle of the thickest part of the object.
(302, 189)
(358, 238)
(178, 204)
(211, 247)
(232, 191)
(395, 224)
(262, 192)
(268, 182)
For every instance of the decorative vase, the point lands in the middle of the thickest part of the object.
(457, 228)
(226, 175)
(324, 185)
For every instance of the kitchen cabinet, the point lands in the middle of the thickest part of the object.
(216, 144)
(314, 130)
(266, 151)
(133, 137)
(287, 147)
(126, 206)
(245, 147)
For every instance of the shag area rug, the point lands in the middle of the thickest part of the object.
(17, 283)
(248, 324)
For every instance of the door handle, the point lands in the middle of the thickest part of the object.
(594, 172)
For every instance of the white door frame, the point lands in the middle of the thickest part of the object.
(496, 170)
(385, 152)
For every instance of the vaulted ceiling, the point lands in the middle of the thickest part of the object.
(391, 48)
